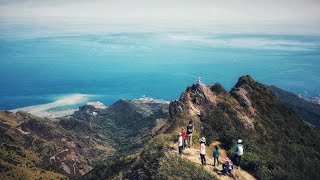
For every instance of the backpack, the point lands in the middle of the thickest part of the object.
(189, 129)
(240, 150)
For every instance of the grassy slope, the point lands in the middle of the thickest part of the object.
(17, 161)
(281, 146)
(153, 162)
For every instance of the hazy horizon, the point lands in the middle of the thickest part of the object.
(287, 16)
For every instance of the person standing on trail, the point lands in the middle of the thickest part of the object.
(184, 134)
(180, 143)
(238, 152)
(203, 150)
(215, 155)
(190, 130)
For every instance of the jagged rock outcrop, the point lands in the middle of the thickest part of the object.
(194, 102)
(200, 101)
(176, 109)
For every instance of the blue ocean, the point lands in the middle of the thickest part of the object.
(41, 69)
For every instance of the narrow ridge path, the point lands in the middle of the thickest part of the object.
(193, 154)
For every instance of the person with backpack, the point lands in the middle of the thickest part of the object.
(215, 155)
(238, 152)
(180, 143)
(184, 134)
(190, 130)
(227, 166)
(203, 150)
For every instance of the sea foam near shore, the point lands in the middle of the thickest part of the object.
(48, 110)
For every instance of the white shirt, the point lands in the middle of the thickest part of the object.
(180, 141)
(202, 148)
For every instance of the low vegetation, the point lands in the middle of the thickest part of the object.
(280, 147)
(153, 162)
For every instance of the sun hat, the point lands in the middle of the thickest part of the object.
(226, 159)
(239, 141)
(203, 139)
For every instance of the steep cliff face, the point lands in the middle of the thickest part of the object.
(200, 101)
(194, 102)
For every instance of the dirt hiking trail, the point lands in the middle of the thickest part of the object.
(193, 154)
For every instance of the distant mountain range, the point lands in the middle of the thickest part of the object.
(306, 110)
(135, 139)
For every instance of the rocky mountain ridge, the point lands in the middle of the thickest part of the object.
(251, 111)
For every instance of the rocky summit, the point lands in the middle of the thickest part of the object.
(276, 136)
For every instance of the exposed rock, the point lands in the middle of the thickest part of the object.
(199, 101)
(176, 108)
(241, 90)
(193, 102)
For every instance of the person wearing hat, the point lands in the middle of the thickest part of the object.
(203, 150)
(238, 152)
(180, 143)
(227, 166)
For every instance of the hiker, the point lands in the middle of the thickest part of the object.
(215, 155)
(238, 152)
(180, 143)
(184, 134)
(190, 130)
(203, 150)
(253, 112)
(227, 166)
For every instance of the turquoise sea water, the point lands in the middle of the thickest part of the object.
(41, 69)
